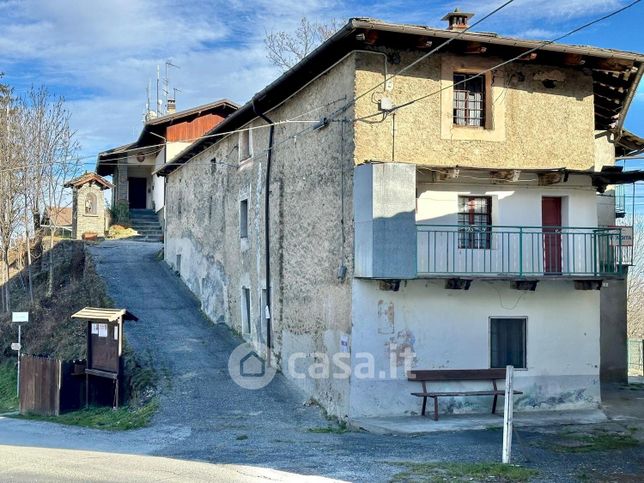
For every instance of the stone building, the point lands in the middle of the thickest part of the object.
(133, 166)
(88, 209)
(462, 209)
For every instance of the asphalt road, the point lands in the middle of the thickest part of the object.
(21, 464)
(205, 417)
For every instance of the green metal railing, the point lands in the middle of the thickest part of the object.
(620, 201)
(518, 251)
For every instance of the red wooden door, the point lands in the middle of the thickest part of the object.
(551, 222)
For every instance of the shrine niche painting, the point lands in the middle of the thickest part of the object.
(90, 204)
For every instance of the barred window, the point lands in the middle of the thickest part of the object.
(469, 100)
(474, 220)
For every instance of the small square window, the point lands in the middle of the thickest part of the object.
(245, 307)
(469, 100)
(508, 342)
(245, 145)
(243, 219)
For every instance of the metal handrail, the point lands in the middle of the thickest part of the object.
(519, 250)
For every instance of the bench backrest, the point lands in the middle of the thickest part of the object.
(456, 375)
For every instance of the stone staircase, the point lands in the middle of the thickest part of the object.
(146, 223)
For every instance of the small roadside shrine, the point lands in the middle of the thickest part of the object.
(104, 351)
(88, 214)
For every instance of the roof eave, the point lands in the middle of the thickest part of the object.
(263, 98)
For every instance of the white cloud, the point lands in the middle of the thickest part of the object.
(101, 54)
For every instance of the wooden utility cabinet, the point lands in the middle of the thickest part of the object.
(104, 348)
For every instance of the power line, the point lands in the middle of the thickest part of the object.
(294, 119)
(540, 46)
(424, 56)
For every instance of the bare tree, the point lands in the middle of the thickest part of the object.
(285, 49)
(9, 186)
(56, 152)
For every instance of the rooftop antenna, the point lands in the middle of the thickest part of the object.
(158, 80)
(146, 115)
(166, 80)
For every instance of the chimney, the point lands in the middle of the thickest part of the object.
(457, 20)
(172, 106)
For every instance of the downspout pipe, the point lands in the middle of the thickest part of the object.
(267, 236)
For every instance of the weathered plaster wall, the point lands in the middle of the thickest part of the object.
(449, 329)
(310, 197)
(532, 126)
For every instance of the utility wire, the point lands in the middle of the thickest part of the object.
(295, 118)
(424, 56)
(513, 59)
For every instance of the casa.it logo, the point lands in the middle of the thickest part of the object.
(248, 369)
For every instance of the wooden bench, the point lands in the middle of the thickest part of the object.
(450, 375)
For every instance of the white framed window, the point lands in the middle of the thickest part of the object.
(474, 222)
(245, 145)
(243, 219)
(508, 342)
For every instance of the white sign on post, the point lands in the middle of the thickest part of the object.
(15, 346)
(20, 317)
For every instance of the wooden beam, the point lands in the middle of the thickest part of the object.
(506, 174)
(530, 57)
(574, 59)
(546, 179)
(475, 48)
(614, 65)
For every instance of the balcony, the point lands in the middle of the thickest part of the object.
(518, 252)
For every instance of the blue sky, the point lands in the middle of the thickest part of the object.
(101, 54)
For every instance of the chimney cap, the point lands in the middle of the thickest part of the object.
(457, 19)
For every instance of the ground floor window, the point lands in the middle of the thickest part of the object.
(508, 342)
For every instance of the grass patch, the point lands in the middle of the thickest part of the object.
(426, 472)
(585, 443)
(8, 398)
(106, 418)
(339, 428)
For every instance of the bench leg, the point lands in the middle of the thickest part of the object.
(496, 396)
(435, 409)
(424, 406)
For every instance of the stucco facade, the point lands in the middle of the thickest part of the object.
(532, 126)
(541, 117)
(450, 329)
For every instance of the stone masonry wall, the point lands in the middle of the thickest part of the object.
(310, 196)
(84, 222)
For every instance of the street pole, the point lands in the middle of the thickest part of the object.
(508, 415)
(19, 349)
